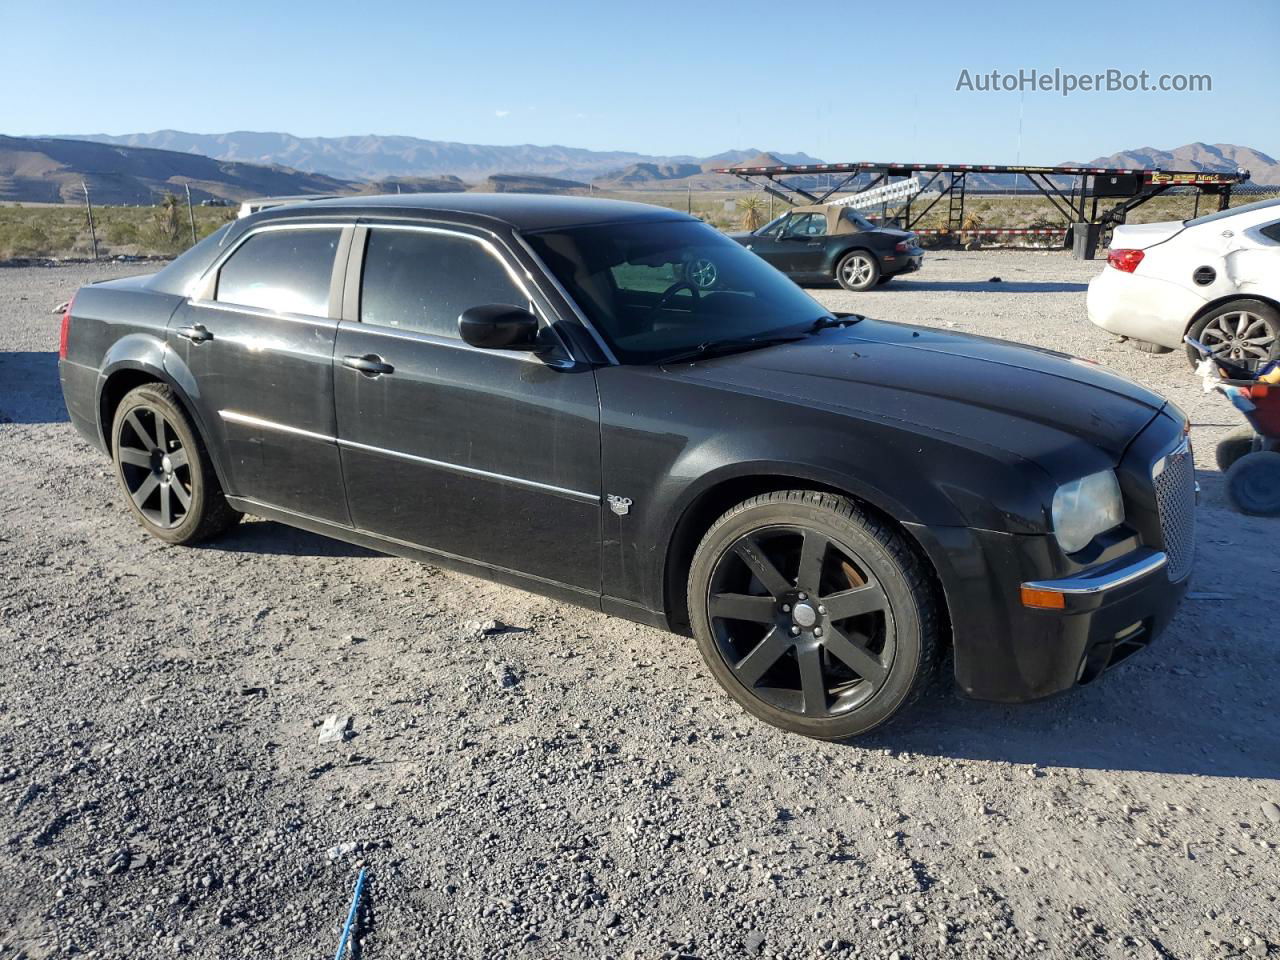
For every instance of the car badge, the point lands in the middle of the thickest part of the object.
(619, 505)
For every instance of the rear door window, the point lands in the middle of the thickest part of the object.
(285, 271)
(422, 280)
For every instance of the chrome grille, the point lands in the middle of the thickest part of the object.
(1174, 478)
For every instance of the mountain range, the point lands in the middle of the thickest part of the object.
(380, 157)
(119, 170)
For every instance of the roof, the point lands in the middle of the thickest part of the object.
(837, 222)
(524, 211)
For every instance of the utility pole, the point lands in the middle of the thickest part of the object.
(88, 205)
(191, 214)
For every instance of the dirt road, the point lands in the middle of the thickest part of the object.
(569, 785)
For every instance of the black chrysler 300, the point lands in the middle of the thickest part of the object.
(532, 390)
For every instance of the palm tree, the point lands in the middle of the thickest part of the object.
(752, 208)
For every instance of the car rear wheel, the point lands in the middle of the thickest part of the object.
(857, 271)
(164, 469)
(813, 614)
(1253, 484)
(1244, 331)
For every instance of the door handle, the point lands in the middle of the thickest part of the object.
(196, 333)
(370, 365)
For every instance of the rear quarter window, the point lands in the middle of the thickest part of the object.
(285, 271)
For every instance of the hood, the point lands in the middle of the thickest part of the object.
(1067, 415)
(1139, 236)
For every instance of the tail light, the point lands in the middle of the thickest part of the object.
(66, 328)
(902, 246)
(1125, 260)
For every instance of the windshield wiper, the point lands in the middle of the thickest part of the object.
(719, 348)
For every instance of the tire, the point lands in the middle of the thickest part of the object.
(789, 656)
(1236, 444)
(1246, 331)
(858, 270)
(1253, 484)
(160, 461)
(1146, 346)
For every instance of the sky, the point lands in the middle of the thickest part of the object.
(839, 81)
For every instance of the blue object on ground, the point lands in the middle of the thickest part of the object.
(351, 916)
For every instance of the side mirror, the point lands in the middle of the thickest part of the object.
(499, 326)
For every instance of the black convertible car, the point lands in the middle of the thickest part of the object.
(830, 242)
(532, 389)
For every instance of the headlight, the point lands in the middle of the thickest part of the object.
(1085, 508)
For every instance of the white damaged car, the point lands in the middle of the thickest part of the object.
(1215, 278)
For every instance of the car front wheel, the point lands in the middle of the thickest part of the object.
(164, 469)
(857, 271)
(813, 614)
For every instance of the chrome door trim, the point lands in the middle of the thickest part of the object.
(475, 472)
(234, 416)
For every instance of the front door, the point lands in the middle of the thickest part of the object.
(491, 456)
(258, 345)
(802, 243)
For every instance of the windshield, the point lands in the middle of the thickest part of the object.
(657, 289)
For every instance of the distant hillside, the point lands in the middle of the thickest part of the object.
(414, 185)
(524, 183)
(380, 157)
(1265, 170)
(50, 170)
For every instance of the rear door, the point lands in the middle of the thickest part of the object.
(257, 345)
(492, 456)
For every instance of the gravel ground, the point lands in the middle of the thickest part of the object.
(563, 784)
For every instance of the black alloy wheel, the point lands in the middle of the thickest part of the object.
(164, 469)
(155, 467)
(813, 614)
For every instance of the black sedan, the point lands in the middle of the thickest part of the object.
(532, 389)
(828, 242)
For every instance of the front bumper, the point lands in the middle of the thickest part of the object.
(1008, 652)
